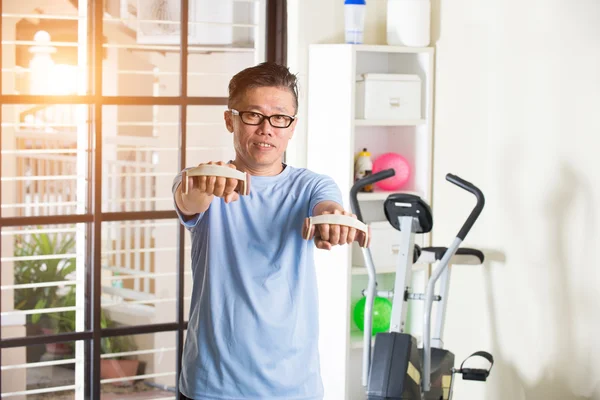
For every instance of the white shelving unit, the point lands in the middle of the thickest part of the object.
(334, 138)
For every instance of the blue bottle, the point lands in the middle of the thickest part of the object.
(354, 20)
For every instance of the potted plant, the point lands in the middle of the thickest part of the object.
(117, 366)
(33, 267)
(61, 322)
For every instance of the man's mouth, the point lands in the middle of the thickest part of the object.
(265, 145)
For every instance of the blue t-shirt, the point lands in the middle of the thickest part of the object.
(253, 323)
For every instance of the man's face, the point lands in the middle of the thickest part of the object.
(261, 146)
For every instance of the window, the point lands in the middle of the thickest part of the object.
(102, 103)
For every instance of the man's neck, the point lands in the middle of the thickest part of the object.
(271, 170)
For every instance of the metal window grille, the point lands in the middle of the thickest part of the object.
(102, 102)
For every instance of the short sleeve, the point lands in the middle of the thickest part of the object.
(325, 189)
(190, 223)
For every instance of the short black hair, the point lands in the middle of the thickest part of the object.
(266, 74)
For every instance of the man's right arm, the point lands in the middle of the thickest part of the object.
(202, 191)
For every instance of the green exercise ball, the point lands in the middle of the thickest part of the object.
(382, 312)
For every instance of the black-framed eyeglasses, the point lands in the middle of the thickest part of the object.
(256, 118)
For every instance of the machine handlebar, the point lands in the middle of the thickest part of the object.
(443, 264)
(361, 183)
(468, 186)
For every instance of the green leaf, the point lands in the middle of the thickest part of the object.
(41, 304)
(41, 271)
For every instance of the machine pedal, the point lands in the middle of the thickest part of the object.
(476, 374)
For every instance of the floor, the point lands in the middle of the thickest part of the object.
(45, 377)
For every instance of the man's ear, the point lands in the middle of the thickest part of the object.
(228, 116)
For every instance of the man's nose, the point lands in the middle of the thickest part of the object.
(266, 128)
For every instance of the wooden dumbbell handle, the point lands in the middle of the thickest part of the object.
(216, 170)
(336, 219)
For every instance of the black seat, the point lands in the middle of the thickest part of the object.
(404, 205)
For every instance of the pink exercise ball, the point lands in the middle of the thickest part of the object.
(400, 166)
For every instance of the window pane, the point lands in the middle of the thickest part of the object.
(209, 74)
(26, 375)
(207, 136)
(44, 160)
(227, 25)
(43, 49)
(141, 364)
(223, 41)
(43, 274)
(139, 271)
(140, 157)
(142, 56)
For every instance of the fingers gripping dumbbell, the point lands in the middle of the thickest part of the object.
(217, 170)
(336, 219)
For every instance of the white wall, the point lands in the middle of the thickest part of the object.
(516, 99)
(518, 86)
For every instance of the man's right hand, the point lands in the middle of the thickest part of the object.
(202, 189)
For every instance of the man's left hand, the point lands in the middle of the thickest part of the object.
(328, 235)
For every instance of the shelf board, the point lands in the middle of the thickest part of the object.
(380, 195)
(360, 270)
(389, 122)
(388, 269)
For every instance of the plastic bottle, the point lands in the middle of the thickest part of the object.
(354, 18)
(363, 167)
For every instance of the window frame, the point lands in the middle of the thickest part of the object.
(276, 50)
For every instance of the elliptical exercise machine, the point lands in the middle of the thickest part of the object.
(397, 369)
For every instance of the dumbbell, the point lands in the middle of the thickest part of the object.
(220, 171)
(337, 219)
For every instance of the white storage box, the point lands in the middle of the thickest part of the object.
(385, 244)
(388, 96)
